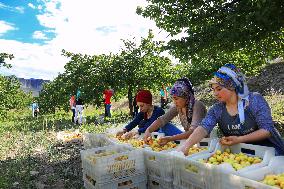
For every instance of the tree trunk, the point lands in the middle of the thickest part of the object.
(130, 99)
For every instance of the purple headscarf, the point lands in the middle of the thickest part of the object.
(183, 88)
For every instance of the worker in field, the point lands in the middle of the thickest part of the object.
(147, 115)
(72, 103)
(79, 111)
(35, 109)
(189, 110)
(107, 94)
(242, 116)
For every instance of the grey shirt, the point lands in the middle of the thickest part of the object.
(199, 112)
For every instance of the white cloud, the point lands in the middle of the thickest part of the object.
(79, 26)
(33, 60)
(39, 35)
(12, 9)
(5, 27)
(86, 26)
(31, 5)
(20, 9)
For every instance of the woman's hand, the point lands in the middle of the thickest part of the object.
(120, 133)
(164, 140)
(147, 136)
(128, 135)
(183, 148)
(230, 140)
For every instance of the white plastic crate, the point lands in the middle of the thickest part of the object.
(251, 179)
(209, 143)
(266, 153)
(230, 181)
(92, 140)
(214, 173)
(185, 178)
(69, 137)
(158, 164)
(134, 182)
(120, 162)
(206, 175)
(186, 186)
(189, 173)
(158, 183)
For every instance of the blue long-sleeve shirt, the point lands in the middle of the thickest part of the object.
(260, 112)
(157, 112)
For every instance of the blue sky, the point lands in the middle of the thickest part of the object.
(21, 16)
(36, 31)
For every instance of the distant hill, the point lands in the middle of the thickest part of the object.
(32, 85)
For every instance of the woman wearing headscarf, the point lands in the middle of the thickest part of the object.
(147, 115)
(243, 116)
(189, 110)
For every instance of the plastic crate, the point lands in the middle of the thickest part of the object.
(185, 178)
(92, 140)
(186, 186)
(134, 182)
(251, 179)
(69, 137)
(266, 153)
(214, 173)
(158, 164)
(158, 183)
(120, 162)
(230, 181)
(210, 143)
(196, 176)
(206, 175)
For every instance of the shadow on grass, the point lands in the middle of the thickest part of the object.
(58, 168)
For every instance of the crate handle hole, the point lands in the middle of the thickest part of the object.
(155, 183)
(177, 141)
(121, 158)
(248, 151)
(92, 181)
(203, 144)
(125, 183)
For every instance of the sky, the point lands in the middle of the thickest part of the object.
(36, 31)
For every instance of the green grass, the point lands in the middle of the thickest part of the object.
(29, 144)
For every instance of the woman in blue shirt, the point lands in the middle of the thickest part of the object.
(243, 116)
(147, 115)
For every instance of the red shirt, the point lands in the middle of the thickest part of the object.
(108, 94)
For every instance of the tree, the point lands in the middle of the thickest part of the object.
(142, 66)
(4, 56)
(11, 95)
(221, 30)
(135, 66)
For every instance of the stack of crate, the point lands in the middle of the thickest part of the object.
(159, 167)
(113, 167)
(186, 173)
